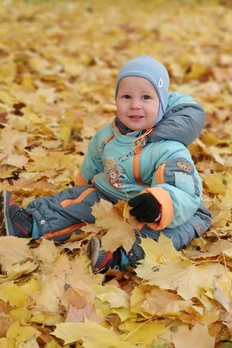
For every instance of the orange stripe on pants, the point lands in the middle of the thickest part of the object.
(68, 230)
(79, 199)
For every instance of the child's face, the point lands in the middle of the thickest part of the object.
(137, 103)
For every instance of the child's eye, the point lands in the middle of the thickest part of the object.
(146, 97)
(126, 96)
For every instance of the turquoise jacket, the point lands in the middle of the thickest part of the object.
(124, 166)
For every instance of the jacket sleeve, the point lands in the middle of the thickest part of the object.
(183, 120)
(177, 186)
(92, 163)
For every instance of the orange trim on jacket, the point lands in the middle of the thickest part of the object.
(137, 146)
(79, 180)
(79, 199)
(160, 173)
(136, 167)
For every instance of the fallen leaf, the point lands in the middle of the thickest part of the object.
(197, 337)
(91, 334)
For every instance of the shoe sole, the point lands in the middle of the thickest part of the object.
(5, 228)
(93, 252)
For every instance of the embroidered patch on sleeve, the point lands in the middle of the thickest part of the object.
(184, 182)
(186, 167)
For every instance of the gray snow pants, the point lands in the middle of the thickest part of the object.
(64, 213)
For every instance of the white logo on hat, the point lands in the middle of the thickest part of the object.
(160, 83)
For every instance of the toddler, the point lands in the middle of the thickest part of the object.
(140, 157)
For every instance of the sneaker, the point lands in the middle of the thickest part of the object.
(102, 260)
(14, 221)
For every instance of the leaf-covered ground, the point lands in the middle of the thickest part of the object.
(58, 64)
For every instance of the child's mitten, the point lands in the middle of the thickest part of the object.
(145, 208)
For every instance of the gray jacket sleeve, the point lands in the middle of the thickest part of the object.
(182, 122)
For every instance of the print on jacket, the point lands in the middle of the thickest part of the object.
(114, 174)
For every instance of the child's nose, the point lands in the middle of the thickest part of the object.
(135, 104)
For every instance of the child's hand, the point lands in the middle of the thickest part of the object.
(145, 208)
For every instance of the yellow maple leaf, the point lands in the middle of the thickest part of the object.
(17, 270)
(48, 161)
(92, 334)
(31, 116)
(119, 233)
(6, 171)
(47, 94)
(27, 82)
(65, 133)
(7, 71)
(222, 294)
(7, 343)
(142, 334)
(211, 317)
(77, 315)
(19, 314)
(18, 252)
(197, 337)
(217, 249)
(188, 279)
(116, 297)
(197, 70)
(111, 299)
(11, 293)
(215, 183)
(137, 297)
(52, 289)
(159, 250)
(23, 334)
(123, 313)
(46, 252)
(15, 160)
(163, 303)
(46, 318)
(221, 209)
(79, 303)
(11, 139)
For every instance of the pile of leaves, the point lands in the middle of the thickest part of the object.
(58, 64)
